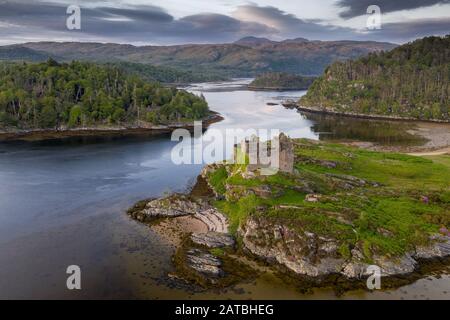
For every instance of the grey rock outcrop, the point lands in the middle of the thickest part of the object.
(308, 254)
(304, 253)
(213, 239)
(173, 206)
(439, 248)
(204, 263)
(181, 205)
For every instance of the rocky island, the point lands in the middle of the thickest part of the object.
(329, 213)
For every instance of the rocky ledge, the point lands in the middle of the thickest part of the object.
(204, 263)
(213, 239)
(193, 259)
(306, 253)
(178, 205)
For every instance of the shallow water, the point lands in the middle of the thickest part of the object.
(64, 202)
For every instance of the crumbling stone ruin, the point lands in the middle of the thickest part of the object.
(260, 155)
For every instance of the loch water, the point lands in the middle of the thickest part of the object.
(63, 202)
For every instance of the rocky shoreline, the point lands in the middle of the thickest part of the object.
(254, 88)
(361, 115)
(60, 133)
(198, 257)
(277, 247)
(322, 259)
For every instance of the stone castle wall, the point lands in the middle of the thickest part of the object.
(251, 153)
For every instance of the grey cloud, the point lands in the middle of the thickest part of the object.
(408, 31)
(34, 20)
(225, 24)
(148, 24)
(355, 8)
(139, 13)
(289, 25)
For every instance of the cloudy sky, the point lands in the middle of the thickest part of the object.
(163, 22)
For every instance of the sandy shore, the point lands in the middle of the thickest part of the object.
(437, 136)
(172, 230)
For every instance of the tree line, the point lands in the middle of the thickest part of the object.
(80, 94)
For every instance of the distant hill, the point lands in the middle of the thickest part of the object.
(252, 41)
(410, 81)
(247, 57)
(167, 75)
(296, 40)
(20, 53)
(280, 81)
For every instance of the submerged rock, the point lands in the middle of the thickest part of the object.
(204, 263)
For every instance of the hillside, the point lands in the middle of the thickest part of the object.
(51, 95)
(20, 53)
(410, 81)
(280, 81)
(167, 75)
(247, 57)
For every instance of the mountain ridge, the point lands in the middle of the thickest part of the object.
(228, 59)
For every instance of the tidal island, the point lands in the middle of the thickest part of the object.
(330, 213)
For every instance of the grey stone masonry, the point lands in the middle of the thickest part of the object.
(251, 153)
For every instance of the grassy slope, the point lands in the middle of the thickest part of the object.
(388, 219)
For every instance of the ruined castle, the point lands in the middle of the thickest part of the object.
(278, 154)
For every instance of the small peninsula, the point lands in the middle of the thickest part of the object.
(280, 81)
(333, 211)
(409, 82)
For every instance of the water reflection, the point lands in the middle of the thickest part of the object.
(388, 133)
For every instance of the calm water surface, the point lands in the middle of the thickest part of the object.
(64, 203)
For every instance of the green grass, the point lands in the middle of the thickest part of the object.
(389, 219)
(218, 252)
(238, 211)
(217, 180)
(387, 168)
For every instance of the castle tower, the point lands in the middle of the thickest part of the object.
(286, 154)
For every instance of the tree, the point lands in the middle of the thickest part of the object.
(48, 117)
(75, 116)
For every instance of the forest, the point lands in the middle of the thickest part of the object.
(168, 75)
(80, 94)
(409, 81)
(281, 81)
